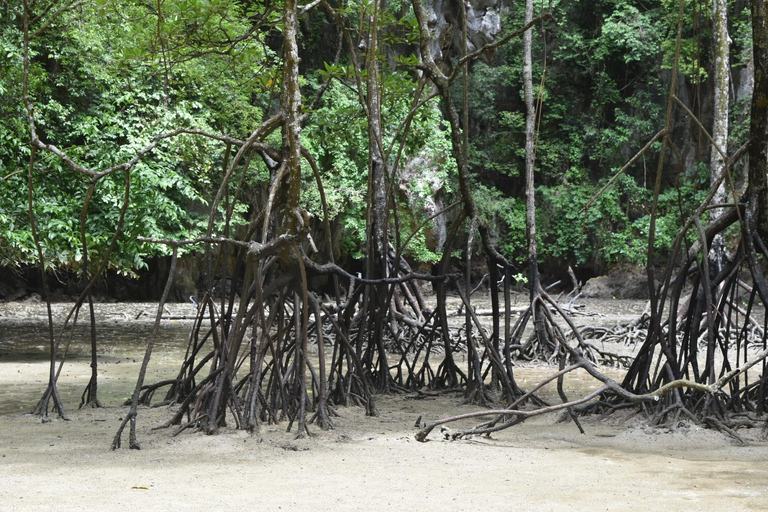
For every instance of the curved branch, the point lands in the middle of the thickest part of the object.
(330, 268)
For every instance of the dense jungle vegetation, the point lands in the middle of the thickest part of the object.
(107, 77)
(313, 155)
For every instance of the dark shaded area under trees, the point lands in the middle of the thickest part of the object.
(311, 156)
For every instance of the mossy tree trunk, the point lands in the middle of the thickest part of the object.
(718, 154)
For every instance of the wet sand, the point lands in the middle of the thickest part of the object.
(363, 464)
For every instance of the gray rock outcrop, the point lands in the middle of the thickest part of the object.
(623, 283)
(483, 24)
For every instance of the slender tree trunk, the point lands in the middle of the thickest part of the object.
(291, 104)
(377, 262)
(493, 257)
(91, 393)
(720, 123)
(133, 441)
(714, 262)
(530, 189)
(530, 120)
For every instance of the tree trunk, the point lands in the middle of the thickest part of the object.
(493, 258)
(718, 155)
(758, 150)
(377, 261)
(530, 121)
(291, 151)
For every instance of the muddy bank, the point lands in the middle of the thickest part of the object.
(375, 464)
(363, 464)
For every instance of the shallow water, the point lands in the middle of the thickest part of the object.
(124, 329)
(30, 342)
(121, 340)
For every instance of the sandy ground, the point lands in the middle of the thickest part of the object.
(376, 464)
(363, 464)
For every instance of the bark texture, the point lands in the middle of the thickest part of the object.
(758, 151)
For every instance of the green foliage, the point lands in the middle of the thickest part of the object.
(336, 135)
(615, 228)
(107, 77)
(599, 76)
(417, 248)
(628, 34)
(101, 90)
(337, 138)
(601, 94)
(508, 213)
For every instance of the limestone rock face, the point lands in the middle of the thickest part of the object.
(626, 283)
(483, 24)
(422, 184)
